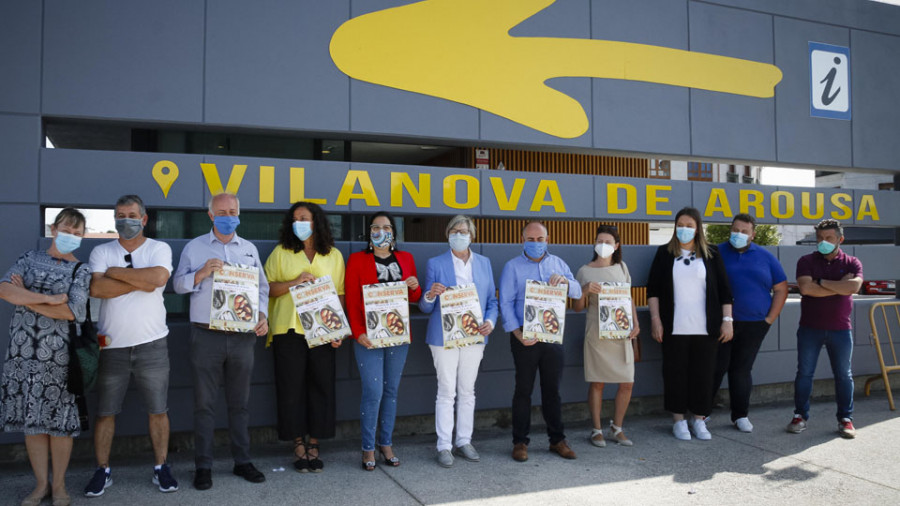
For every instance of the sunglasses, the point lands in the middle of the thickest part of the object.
(128, 260)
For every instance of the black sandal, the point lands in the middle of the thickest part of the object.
(368, 465)
(393, 461)
(315, 463)
(301, 465)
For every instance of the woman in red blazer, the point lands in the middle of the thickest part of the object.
(379, 368)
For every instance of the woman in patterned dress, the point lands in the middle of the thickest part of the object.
(33, 394)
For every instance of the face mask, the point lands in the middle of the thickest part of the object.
(685, 234)
(379, 239)
(67, 243)
(534, 249)
(226, 224)
(459, 242)
(604, 250)
(738, 240)
(825, 247)
(128, 228)
(302, 229)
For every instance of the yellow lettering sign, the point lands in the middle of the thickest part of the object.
(838, 200)
(788, 199)
(548, 186)
(653, 200)
(511, 202)
(266, 184)
(472, 186)
(754, 199)
(365, 184)
(421, 195)
(718, 203)
(298, 187)
(867, 208)
(806, 210)
(612, 198)
(214, 182)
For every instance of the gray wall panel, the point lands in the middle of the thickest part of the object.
(136, 60)
(875, 79)
(802, 138)
(20, 141)
(267, 64)
(630, 115)
(20, 58)
(723, 124)
(879, 261)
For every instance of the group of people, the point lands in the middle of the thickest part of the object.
(710, 308)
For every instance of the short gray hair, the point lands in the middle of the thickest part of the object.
(127, 200)
(458, 219)
(209, 205)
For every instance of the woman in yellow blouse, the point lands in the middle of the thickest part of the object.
(304, 376)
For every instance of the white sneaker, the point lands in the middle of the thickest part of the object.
(680, 429)
(700, 430)
(743, 424)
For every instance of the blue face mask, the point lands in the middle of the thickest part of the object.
(459, 242)
(685, 234)
(825, 247)
(738, 240)
(534, 249)
(67, 243)
(302, 229)
(226, 224)
(379, 239)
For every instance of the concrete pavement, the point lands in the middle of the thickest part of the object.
(767, 466)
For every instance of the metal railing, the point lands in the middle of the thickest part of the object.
(879, 343)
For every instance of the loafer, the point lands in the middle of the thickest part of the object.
(467, 451)
(249, 473)
(562, 449)
(444, 458)
(520, 452)
(203, 479)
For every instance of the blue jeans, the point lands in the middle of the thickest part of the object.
(839, 344)
(379, 372)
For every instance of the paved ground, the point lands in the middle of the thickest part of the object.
(768, 466)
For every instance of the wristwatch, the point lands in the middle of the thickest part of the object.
(727, 319)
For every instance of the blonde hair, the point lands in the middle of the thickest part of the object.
(701, 247)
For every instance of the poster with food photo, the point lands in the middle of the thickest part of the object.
(235, 298)
(461, 316)
(615, 320)
(387, 314)
(320, 312)
(545, 311)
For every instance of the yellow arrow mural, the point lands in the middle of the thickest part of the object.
(461, 50)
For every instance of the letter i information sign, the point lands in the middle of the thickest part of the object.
(829, 81)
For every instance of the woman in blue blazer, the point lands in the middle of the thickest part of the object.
(457, 368)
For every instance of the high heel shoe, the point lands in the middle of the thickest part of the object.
(315, 463)
(301, 465)
(368, 465)
(393, 461)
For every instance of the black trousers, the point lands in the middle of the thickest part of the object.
(688, 366)
(304, 387)
(736, 358)
(529, 360)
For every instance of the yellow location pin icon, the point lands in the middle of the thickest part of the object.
(165, 173)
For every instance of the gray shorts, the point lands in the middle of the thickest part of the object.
(149, 362)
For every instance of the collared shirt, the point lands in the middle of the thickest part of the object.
(832, 312)
(512, 284)
(194, 257)
(463, 270)
(752, 273)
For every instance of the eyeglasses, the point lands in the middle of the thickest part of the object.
(128, 260)
(687, 261)
(463, 231)
(376, 228)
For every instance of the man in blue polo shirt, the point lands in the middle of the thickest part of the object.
(760, 288)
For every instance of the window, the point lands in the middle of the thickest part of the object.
(699, 171)
(660, 169)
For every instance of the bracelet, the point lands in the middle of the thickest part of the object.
(727, 319)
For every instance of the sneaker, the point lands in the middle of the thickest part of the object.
(797, 425)
(743, 424)
(846, 429)
(680, 429)
(444, 458)
(467, 451)
(162, 477)
(102, 478)
(700, 430)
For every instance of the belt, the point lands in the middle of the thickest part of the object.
(205, 326)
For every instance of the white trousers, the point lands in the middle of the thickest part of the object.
(456, 370)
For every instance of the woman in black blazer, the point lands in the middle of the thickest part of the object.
(690, 313)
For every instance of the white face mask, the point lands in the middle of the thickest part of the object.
(604, 250)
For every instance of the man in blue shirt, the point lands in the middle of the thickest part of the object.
(760, 288)
(529, 355)
(218, 355)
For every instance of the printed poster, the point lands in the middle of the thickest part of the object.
(387, 313)
(235, 298)
(461, 316)
(545, 311)
(614, 306)
(319, 309)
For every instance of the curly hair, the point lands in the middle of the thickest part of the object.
(324, 241)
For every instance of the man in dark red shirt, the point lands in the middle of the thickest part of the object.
(827, 279)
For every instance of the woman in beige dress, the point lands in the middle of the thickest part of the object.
(606, 360)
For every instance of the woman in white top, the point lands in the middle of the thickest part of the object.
(690, 313)
(606, 360)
